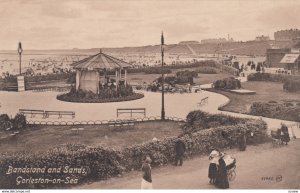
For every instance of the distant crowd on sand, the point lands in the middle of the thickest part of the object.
(221, 168)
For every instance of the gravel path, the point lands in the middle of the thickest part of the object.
(259, 167)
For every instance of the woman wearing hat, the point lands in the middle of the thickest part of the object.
(213, 170)
(147, 179)
(222, 179)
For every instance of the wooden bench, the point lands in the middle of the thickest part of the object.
(203, 101)
(32, 112)
(76, 130)
(119, 123)
(131, 111)
(59, 113)
(12, 88)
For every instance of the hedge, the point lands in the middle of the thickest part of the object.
(102, 163)
(187, 73)
(285, 111)
(50, 77)
(199, 120)
(207, 70)
(271, 77)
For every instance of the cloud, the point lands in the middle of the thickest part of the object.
(65, 24)
(61, 9)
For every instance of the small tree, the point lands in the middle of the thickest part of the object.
(19, 122)
(5, 122)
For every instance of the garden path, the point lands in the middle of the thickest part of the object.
(259, 167)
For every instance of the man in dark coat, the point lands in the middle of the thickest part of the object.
(242, 141)
(179, 150)
(285, 137)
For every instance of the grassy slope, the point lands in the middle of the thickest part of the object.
(42, 138)
(265, 92)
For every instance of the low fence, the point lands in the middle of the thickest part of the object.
(102, 122)
(56, 89)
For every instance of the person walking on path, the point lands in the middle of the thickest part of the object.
(179, 151)
(146, 179)
(285, 137)
(213, 170)
(222, 179)
(242, 141)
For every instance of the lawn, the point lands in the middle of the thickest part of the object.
(210, 78)
(42, 138)
(265, 92)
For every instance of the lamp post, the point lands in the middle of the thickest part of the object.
(163, 79)
(20, 50)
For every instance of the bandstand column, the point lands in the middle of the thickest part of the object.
(117, 79)
(77, 79)
(120, 78)
(125, 77)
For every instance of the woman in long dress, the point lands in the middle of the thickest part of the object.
(213, 170)
(222, 179)
(146, 179)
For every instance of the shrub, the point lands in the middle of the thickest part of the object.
(207, 70)
(287, 104)
(5, 122)
(181, 79)
(199, 120)
(138, 87)
(227, 83)
(187, 73)
(72, 78)
(19, 122)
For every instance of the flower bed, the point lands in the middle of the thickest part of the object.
(68, 98)
(106, 94)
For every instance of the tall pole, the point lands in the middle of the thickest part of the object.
(20, 50)
(163, 79)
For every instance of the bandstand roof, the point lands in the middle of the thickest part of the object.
(101, 61)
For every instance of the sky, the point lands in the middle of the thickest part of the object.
(67, 24)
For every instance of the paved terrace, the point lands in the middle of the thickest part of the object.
(176, 105)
